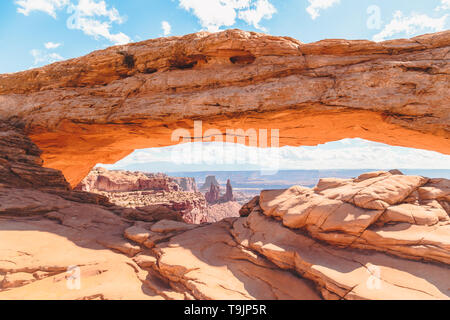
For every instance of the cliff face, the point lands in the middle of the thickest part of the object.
(213, 195)
(100, 179)
(21, 164)
(186, 183)
(158, 191)
(100, 107)
(144, 190)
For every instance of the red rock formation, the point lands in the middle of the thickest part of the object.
(21, 167)
(248, 207)
(219, 211)
(100, 179)
(213, 195)
(228, 196)
(99, 108)
(20, 162)
(185, 183)
(143, 190)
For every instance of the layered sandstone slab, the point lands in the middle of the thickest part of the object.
(121, 259)
(342, 273)
(208, 263)
(100, 107)
(406, 216)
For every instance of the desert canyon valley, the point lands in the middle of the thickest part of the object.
(137, 235)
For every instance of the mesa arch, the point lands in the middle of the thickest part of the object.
(100, 107)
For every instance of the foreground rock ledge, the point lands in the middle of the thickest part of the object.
(381, 235)
(100, 107)
(254, 257)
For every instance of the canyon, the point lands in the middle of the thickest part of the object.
(380, 235)
(146, 191)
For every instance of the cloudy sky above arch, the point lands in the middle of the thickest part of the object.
(77, 27)
(38, 32)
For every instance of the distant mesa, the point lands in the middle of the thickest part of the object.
(101, 179)
(210, 180)
(186, 183)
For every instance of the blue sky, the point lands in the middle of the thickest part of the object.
(38, 32)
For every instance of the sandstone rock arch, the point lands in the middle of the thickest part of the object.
(101, 107)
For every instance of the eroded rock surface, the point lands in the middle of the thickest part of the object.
(100, 107)
(298, 243)
(378, 210)
(21, 164)
(342, 273)
(100, 179)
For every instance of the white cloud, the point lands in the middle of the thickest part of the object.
(344, 154)
(91, 8)
(360, 154)
(410, 25)
(167, 28)
(48, 6)
(214, 14)
(42, 57)
(52, 45)
(445, 5)
(85, 17)
(93, 17)
(262, 9)
(316, 5)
